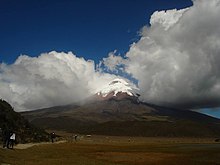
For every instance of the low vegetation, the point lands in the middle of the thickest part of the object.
(116, 151)
(13, 121)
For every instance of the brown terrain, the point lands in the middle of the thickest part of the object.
(109, 150)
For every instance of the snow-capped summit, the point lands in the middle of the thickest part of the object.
(118, 89)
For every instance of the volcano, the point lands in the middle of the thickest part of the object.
(118, 89)
(116, 110)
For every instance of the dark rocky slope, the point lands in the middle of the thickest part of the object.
(13, 121)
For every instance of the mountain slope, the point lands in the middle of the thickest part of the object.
(13, 121)
(116, 110)
(126, 117)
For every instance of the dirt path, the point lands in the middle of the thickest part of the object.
(28, 145)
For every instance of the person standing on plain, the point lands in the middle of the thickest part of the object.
(12, 140)
(52, 136)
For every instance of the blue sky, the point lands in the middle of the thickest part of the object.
(89, 28)
(211, 112)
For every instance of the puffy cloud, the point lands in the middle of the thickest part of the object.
(113, 63)
(177, 59)
(166, 18)
(48, 80)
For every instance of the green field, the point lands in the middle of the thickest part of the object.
(102, 150)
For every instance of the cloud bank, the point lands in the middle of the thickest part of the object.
(176, 61)
(49, 80)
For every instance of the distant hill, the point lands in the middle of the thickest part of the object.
(13, 121)
(125, 117)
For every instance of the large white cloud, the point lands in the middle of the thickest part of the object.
(177, 59)
(48, 80)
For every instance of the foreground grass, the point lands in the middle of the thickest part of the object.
(84, 153)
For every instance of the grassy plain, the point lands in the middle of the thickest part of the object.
(110, 150)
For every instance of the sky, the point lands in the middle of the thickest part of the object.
(89, 28)
(59, 52)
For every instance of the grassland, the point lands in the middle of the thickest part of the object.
(102, 150)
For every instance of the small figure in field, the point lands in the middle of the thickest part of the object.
(75, 137)
(52, 136)
(12, 140)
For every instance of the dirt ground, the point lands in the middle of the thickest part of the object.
(108, 150)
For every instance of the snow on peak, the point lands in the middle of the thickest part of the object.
(119, 86)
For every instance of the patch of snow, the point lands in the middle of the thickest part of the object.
(118, 86)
